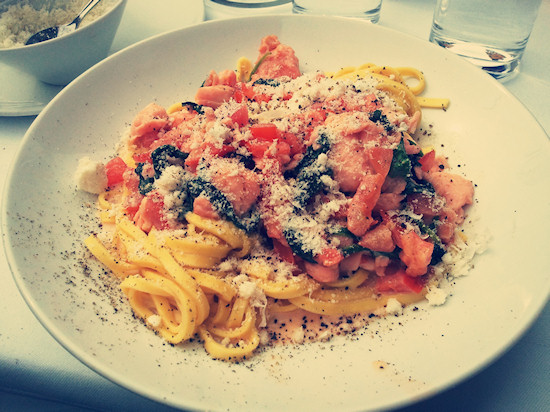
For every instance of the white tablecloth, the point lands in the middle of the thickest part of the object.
(36, 373)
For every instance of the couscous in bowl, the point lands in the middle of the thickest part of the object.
(57, 61)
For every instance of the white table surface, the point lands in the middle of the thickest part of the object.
(36, 373)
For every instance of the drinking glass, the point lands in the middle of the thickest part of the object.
(364, 9)
(491, 34)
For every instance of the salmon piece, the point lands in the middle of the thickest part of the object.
(457, 190)
(448, 221)
(350, 164)
(416, 253)
(337, 104)
(434, 164)
(182, 116)
(372, 132)
(151, 213)
(353, 155)
(239, 184)
(389, 201)
(380, 159)
(203, 207)
(322, 273)
(413, 121)
(362, 204)
(148, 125)
(425, 204)
(378, 239)
(214, 96)
(276, 199)
(281, 60)
(376, 264)
(351, 263)
(175, 137)
(225, 77)
(411, 148)
(394, 185)
(391, 197)
(368, 191)
(354, 125)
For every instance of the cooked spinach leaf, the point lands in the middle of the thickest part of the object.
(167, 155)
(145, 183)
(194, 106)
(401, 166)
(296, 244)
(310, 156)
(267, 82)
(198, 186)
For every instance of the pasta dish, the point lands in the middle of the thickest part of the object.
(276, 194)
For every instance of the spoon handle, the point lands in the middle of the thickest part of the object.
(91, 4)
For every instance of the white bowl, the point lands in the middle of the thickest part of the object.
(59, 61)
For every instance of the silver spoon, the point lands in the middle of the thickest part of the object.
(58, 31)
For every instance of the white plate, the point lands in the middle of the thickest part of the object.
(496, 141)
(24, 95)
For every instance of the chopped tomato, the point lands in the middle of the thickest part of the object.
(316, 115)
(257, 148)
(266, 142)
(244, 92)
(329, 257)
(219, 151)
(284, 252)
(265, 131)
(193, 159)
(133, 199)
(115, 169)
(248, 91)
(144, 157)
(399, 282)
(240, 116)
(295, 144)
(238, 96)
(260, 97)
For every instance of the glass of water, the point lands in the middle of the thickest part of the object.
(492, 34)
(364, 9)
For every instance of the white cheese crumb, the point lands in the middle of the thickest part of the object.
(264, 337)
(298, 335)
(248, 289)
(436, 296)
(90, 176)
(324, 336)
(154, 320)
(460, 255)
(170, 179)
(394, 307)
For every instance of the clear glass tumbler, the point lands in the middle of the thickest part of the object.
(363, 9)
(492, 34)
